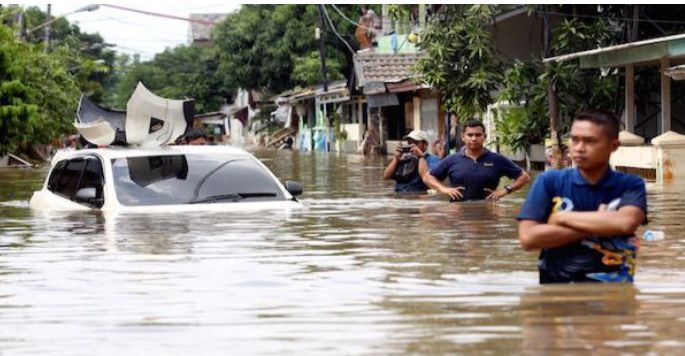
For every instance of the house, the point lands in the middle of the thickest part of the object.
(397, 100)
(318, 113)
(239, 115)
(660, 159)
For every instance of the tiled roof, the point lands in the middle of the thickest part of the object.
(386, 68)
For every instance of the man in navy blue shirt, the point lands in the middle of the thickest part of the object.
(475, 171)
(411, 161)
(584, 218)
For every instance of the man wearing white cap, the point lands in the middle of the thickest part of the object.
(410, 162)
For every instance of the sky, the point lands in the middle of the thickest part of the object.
(137, 33)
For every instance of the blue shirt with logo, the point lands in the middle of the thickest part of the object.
(476, 175)
(415, 183)
(606, 259)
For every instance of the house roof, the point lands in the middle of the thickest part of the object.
(406, 85)
(651, 50)
(385, 68)
(336, 89)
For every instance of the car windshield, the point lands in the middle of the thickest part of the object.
(192, 178)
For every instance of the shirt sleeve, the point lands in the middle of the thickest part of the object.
(441, 169)
(635, 194)
(509, 168)
(432, 161)
(538, 204)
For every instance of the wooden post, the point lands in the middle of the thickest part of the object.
(381, 140)
(630, 98)
(665, 96)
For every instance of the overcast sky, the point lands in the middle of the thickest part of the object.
(138, 33)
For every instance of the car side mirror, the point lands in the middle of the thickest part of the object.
(294, 188)
(88, 196)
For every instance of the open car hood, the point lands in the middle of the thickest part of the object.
(149, 120)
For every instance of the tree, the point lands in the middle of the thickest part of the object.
(460, 61)
(38, 95)
(272, 47)
(181, 72)
(87, 54)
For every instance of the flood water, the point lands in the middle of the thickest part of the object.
(358, 271)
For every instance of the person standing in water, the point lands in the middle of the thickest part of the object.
(475, 171)
(583, 219)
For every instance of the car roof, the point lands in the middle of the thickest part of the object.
(119, 152)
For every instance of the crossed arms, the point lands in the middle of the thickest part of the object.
(565, 227)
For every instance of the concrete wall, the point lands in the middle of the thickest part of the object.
(634, 156)
(670, 164)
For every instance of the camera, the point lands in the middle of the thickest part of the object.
(405, 147)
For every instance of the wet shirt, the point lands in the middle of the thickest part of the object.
(415, 183)
(476, 175)
(607, 259)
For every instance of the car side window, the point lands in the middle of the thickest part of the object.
(55, 175)
(66, 185)
(92, 178)
(65, 176)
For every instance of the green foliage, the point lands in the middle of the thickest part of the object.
(86, 55)
(307, 69)
(38, 95)
(338, 132)
(399, 12)
(460, 60)
(525, 85)
(175, 73)
(272, 47)
(526, 122)
(580, 89)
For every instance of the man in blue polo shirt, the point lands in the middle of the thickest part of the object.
(475, 171)
(583, 219)
(410, 161)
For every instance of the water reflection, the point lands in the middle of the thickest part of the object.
(359, 270)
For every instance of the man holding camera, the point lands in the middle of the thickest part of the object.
(411, 161)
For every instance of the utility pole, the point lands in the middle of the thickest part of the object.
(47, 30)
(322, 47)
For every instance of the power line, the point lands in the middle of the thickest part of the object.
(162, 33)
(350, 21)
(133, 49)
(200, 21)
(335, 31)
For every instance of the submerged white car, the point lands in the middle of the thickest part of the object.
(162, 179)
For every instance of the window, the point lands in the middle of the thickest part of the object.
(70, 176)
(184, 179)
(65, 183)
(92, 177)
(55, 175)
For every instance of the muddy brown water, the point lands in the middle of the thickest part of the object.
(359, 270)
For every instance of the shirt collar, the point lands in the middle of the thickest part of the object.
(605, 181)
(462, 152)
